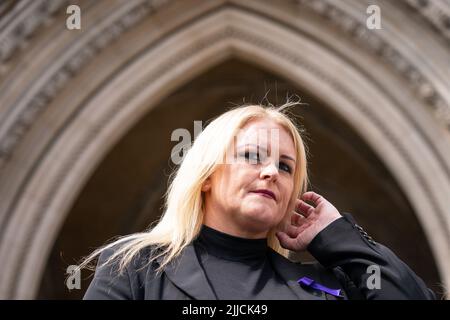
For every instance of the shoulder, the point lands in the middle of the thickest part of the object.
(116, 278)
(116, 256)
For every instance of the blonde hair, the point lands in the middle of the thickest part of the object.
(183, 213)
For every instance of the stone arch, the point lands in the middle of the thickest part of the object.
(44, 168)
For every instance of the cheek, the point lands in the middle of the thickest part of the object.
(291, 205)
(244, 178)
(287, 190)
(289, 200)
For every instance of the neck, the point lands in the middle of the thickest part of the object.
(217, 222)
(229, 247)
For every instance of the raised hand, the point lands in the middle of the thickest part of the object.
(307, 221)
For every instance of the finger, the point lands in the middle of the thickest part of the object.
(297, 219)
(304, 208)
(291, 230)
(294, 219)
(307, 224)
(313, 197)
(286, 241)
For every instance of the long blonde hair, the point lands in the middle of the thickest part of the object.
(183, 213)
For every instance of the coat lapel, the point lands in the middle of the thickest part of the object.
(186, 273)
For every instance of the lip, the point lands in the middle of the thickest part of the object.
(266, 192)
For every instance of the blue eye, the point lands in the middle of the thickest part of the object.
(286, 167)
(256, 156)
(252, 155)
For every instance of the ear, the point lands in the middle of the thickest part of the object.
(206, 185)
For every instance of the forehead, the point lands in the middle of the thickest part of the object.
(264, 131)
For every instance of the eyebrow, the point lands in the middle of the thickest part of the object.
(259, 147)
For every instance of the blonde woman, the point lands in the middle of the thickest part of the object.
(233, 211)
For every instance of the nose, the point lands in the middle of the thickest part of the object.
(269, 171)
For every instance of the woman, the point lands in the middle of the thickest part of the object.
(233, 212)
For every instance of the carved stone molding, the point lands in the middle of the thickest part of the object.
(436, 12)
(26, 16)
(36, 12)
(68, 68)
(357, 29)
(22, 21)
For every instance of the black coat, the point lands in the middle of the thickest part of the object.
(343, 249)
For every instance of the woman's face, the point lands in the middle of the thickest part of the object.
(231, 203)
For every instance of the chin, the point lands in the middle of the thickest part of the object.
(262, 217)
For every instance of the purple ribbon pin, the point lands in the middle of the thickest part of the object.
(311, 283)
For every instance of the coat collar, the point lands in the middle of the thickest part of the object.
(186, 273)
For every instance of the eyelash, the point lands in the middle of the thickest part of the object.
(247, 153)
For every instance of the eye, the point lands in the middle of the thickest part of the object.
(252, 155)
(285, 167)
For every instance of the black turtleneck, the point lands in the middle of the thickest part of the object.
(239, 268)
